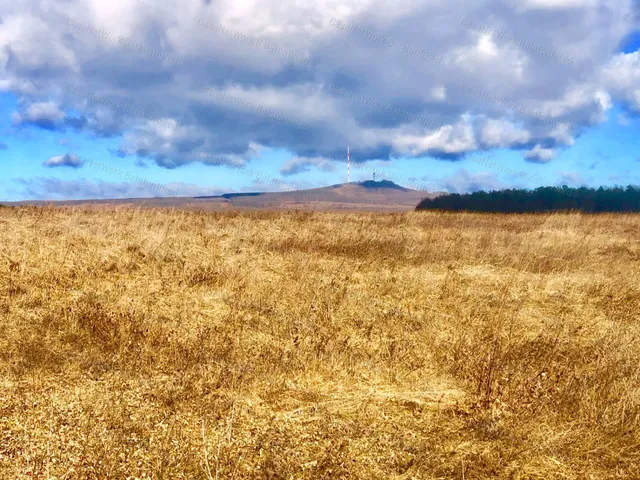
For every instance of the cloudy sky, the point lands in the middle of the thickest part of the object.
(133, 98)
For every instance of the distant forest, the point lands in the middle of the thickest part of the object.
(542, 199)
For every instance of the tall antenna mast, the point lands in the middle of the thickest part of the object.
(348, 165)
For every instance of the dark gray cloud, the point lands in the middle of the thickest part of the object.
(139, 65)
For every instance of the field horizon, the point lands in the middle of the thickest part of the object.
(165, 343)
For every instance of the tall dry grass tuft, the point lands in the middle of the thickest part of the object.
(169, 344)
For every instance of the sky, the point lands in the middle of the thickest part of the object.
(142, 98)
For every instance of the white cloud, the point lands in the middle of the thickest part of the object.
(589, 100)
(446, 140)
(539, 155)
(558, 4)
(622, 75)
(160, 114)
(67, 160)
(300, 164)
(28, 37)
(49, 188)
(465, 182)
(45, 114)
(439, 93)
(502, 133)
(562, 134)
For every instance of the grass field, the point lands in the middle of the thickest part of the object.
(166, 344)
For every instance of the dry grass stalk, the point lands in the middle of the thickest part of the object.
(168, 344)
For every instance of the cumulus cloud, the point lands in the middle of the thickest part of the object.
(502, 133)
(141, 66)
(47, 115)
(622, 75)
(538, 154)
(450, 140)
(67, 160)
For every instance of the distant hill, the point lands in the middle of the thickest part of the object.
(382, 196)
(542, 199)
(376, 196)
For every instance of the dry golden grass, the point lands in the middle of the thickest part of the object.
(167, 344)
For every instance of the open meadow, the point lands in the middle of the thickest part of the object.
(167, 344)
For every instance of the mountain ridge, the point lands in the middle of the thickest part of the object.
(383, 196)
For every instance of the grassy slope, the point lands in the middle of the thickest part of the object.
(307, 345)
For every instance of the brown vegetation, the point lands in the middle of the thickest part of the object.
(168, 344)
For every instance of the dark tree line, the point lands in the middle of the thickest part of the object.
(542, 199)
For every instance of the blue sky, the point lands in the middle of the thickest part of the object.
(140, 99)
